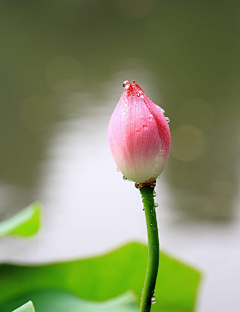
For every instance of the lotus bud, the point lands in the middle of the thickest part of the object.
(139, 135)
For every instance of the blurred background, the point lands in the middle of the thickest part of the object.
(62, 64)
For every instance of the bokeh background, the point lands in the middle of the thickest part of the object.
(62, 64)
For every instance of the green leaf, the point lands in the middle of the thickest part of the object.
(25, 223)
(58, 301)
(105, 277)
(27, 307)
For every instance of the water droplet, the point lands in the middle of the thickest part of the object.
(167, 119)
(125, 179)
(144, 125)
(150, 117)
(123, 112)
(137, 185)
(154, 193)
(161, 152)
(155, 205)
(153, 299)
(140, 94)
(126, 84)
(118, 170)
(162, 110)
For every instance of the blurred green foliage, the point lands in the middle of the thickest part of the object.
(25, 223)
(103, 278)
(59, 301)
(27, 307)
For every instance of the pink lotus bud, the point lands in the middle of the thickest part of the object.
(139, 135)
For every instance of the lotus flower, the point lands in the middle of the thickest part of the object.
(139, 135)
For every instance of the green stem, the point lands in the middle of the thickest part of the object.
(153, 248)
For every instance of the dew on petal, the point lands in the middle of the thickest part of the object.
(140, 94)
(124, 83)
(167, 119)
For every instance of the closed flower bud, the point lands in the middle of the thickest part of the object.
(139, 135)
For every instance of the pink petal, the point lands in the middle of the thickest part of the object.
(139, 136)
